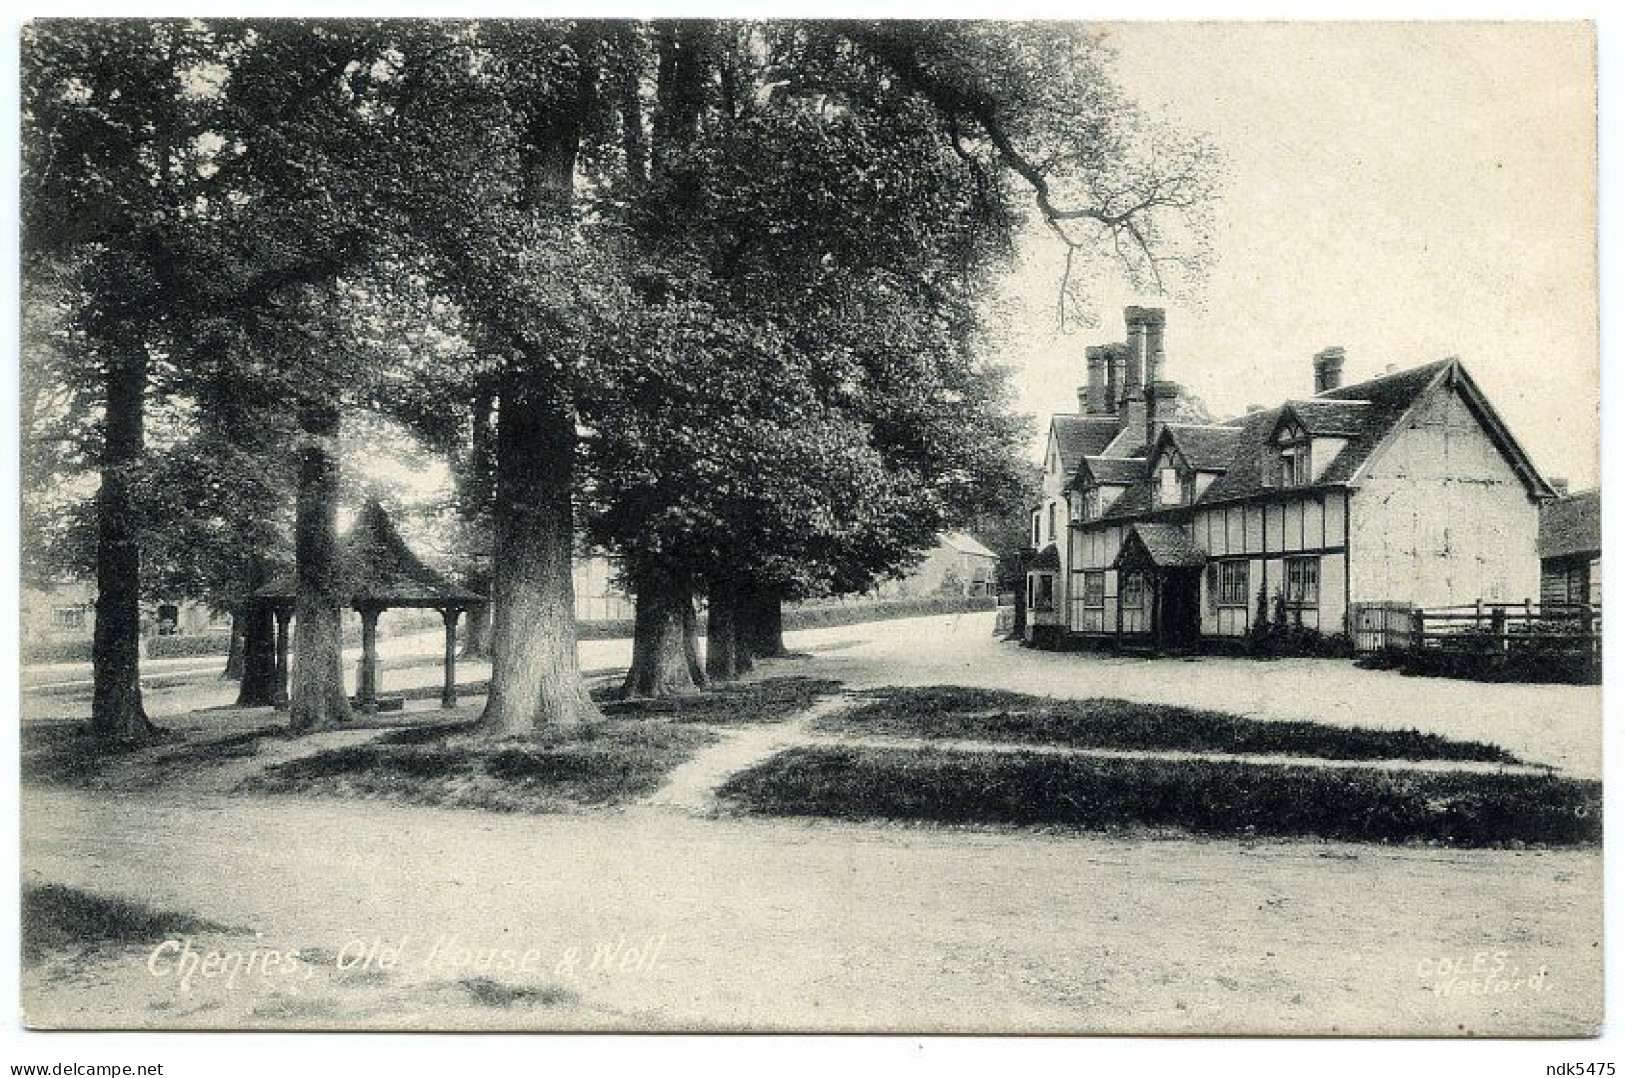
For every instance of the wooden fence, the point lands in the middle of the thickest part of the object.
(1479, 627)
(1568, 627)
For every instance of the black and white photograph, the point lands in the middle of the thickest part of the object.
(723, 523)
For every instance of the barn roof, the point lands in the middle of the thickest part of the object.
(377, 568)
(1571, 525)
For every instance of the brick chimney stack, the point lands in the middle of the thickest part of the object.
(1160, 397)
(1092, 397)
(1116, 356)
(1329, 369)
(1134, 319)
(1154, 319)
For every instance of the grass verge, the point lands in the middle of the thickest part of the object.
(748, 702)
(1203, 797)
(59, 918)
(952, 713)
(605, 763)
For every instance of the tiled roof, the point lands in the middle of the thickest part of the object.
(1571, 525)
(377, 568)
(1364, 414)
(966, 544)
(1330, 417)
(1206, 448)
(1165, 546)
(1079, 436)
(1118, 471)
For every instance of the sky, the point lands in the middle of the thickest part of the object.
(1409, 192)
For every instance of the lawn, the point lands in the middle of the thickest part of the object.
(952, 713)
(625, 756)
(1208, 797)
(605, 763)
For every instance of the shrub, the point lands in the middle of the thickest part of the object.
(180, 647)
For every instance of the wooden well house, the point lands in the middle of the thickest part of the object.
(379, 572)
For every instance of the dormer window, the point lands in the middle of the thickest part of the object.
(1170, 487)
(1294, 467)
(1091, 504)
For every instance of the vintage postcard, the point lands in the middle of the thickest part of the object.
(791, 525)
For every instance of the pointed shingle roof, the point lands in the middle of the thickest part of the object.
(377, 568)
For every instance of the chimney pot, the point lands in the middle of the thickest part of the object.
(1329, 369)
(1559, 483)
(1092, 397)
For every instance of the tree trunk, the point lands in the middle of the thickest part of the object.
(234, 649)
(258, 687)
(475, 495)
(535, 668)
(116, 712)
(766, 624)
(660, 655)
(477, 632)
(727, 643)
(691, 644)
(317, 699)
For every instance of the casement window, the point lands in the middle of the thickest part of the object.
(1169, 487)
(1294, 465)
(68, 617)
(1187, 489)
(1232, 583)
(1036, 539)
(1133, 591)
(1303, 581)
(1091, 504)
(1043, 591)
(1052, 522)
(1094, 590)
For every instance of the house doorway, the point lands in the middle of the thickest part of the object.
(1178, 610)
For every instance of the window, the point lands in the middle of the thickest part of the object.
(1052, 522)
(1294, 465)
(1168, 487)
(1043, 585)
(1133, 591)
(68, 617)
(1091, 504)
(1035, 529)
(1232, 583)
(1303, 581)
(1094, 590)
(1187, 489)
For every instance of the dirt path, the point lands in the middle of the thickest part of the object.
(692, 786)
(772, 924)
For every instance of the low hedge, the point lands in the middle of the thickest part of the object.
(186, 647)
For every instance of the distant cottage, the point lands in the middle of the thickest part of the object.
(1407, 488)
(1571, 549)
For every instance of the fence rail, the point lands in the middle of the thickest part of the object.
(1479, 627)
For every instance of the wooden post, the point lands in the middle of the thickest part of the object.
(448, 690)
(1418, 629)
(279, 696)
(1528, 616)
(1498, 627)
(367, 678)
